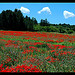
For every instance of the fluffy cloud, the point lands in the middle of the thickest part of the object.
(68, 14)
(45, 9)
(25, 10)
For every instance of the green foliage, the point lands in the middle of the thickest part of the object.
(38, 46)
(53, 29)
(70, 31)
(14, 20)
(44, 45)
(62, 30)
(37, 27)
(44, 23)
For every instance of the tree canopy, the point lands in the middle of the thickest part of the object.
(14, 20)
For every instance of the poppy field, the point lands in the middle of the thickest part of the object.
(23, 51)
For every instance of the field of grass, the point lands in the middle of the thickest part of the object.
(36, 52)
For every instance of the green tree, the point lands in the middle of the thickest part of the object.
(1, 26)
(18, 17)
(44, 22)
(4, 19)
(34, 21)
(28, 23)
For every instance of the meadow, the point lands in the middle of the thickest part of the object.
(23, 51)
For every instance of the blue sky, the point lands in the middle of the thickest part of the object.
(54, 12)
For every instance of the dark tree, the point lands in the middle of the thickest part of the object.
(14, 20)
(34, 20)
(44, 23)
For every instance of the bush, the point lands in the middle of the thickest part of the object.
(70, 31)
(53, 29)
(37, 27)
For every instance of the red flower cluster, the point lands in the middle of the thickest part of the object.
(22, 68)
(45, 36)
(51, 59)
(27, 51)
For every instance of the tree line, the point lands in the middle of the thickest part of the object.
(14, 20)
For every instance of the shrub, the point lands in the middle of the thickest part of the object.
(70, 31)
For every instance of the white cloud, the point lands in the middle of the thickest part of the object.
(24, 10)
(68, 14)
(45, 9)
